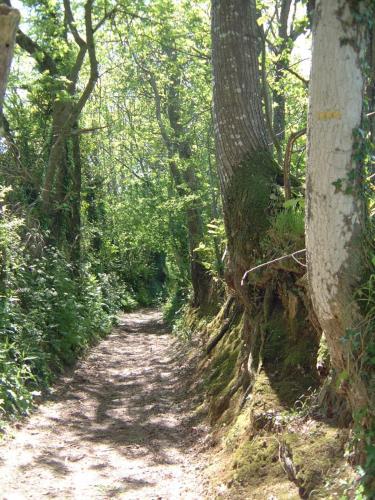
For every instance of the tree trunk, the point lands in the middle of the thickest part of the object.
(57, 153)
(371, 83)
(74, 236)
(245, 164)
(61, 170)
(246, 168)
(9, 19)
(335, 211)
(200, 278)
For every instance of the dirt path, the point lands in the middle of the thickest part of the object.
(119, 427)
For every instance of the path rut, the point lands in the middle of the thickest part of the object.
(118, 427)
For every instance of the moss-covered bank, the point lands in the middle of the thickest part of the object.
(270, 438)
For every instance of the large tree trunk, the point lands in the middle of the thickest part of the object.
(335, 212)
(246, 168)
(245, 164)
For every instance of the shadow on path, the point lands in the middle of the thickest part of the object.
(120, 427)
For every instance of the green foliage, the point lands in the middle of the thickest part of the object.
(173, 306)
(50, 312)
(212, 248)
(181, 327)
(287, 231)
(362, 342)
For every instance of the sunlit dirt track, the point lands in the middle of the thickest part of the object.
(119, 426)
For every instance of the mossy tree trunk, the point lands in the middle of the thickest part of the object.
(245, 164)
(60, 201)
(335, 209)
(246, 167)
(9, 19)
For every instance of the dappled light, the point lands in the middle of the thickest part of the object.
(119, 424)
(187, 267)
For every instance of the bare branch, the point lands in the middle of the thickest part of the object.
(81, 131)
(43, 59)
(73, 76)
(94, 74)
(108, 15)
(123, 164)
(159, 118)
(290, 255)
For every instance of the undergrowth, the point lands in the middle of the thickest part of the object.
(363, 345)
(50, 312)
(287, 231)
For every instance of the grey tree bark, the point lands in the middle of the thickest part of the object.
(335, 211)
(246, 168)
(245, 164)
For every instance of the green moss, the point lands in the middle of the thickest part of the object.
(223, 371)
(289, 355)
(264, 395)
(314, 455)
(256, 459)
(300, 356)
(224, 363)
(248, 201)
(276, 336)
(239, 428)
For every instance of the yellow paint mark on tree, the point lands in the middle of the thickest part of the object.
(329, 115)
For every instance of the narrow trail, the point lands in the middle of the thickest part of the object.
(120, 426)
